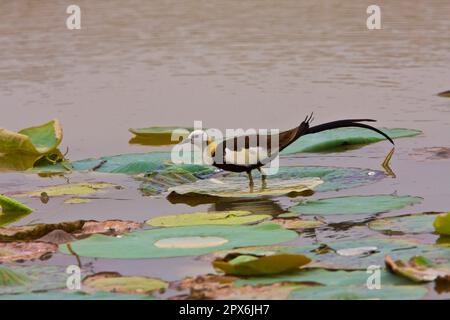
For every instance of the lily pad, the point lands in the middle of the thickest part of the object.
(77, 201)
(159, 135)
(240, 189)
(411, 223)
(37, 140)
(16, 279)
(351, 293)
(143, 241)
(415, 270)
(114, 282)
(22, 251)
(78, 295)
(74, 189)
(442, 224)
(9, 205)
(334, 139)
(296, 223)
(355, 205)
(251, 265)
(207, 218)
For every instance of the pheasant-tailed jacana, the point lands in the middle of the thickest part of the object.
(246, 153)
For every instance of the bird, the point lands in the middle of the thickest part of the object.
(246, 153)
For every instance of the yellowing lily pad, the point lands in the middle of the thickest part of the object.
(442, 224)
(75, 189)
(355, 205)
(159, 135)
(296, 223)
(114, 282)
(9, 205)
(143, 242)
(37, 140)
(76, 201)
(240, 188)
(251, 265)
(204, 218)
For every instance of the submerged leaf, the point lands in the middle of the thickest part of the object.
(37, 140)
(114, 282)
(205, 218)
(17, 279)
(245, 265)
(144, 242)
(442, 224)
(333, 139)
(355, 204)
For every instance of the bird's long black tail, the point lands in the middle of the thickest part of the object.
(306, 129)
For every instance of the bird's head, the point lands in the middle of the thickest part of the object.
(197, 138)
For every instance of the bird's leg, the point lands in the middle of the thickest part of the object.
(250, 180)
(263, 179)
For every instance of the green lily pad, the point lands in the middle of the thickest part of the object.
(351, 293)
(65, 295)
(251, 265)
(442, 224)
(355, 205)
(74, 189)
(333, 139)
(411, 223)
(15, 279)
(207, 218)
(328, 278)
(114, 282)
(37, 140)
(238, 188)
(148, 243)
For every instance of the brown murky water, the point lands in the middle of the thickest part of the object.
(231, 64)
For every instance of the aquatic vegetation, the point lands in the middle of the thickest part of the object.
(354, 205)
(442, 224)
(22, 251)
(410, 223)
(207, 218)
(115, 282)
(254, 265)
(179, 241)
(74, 189)
(417, 269)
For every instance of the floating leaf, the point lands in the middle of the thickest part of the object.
(352, 293)
(143, 242)
(70, 189)
(37, 140)
(159, 135)
(76, 201)
(240, 189)
(355, 205)
(207, 218)
(64, 295)
(296, 223)
(415, 270)
(21, 251)
(333, 139)
(17, 279)
(221, 287)
(411, 223)
(114, 282)
(442, 224)
(111, 227)
(246, 265)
